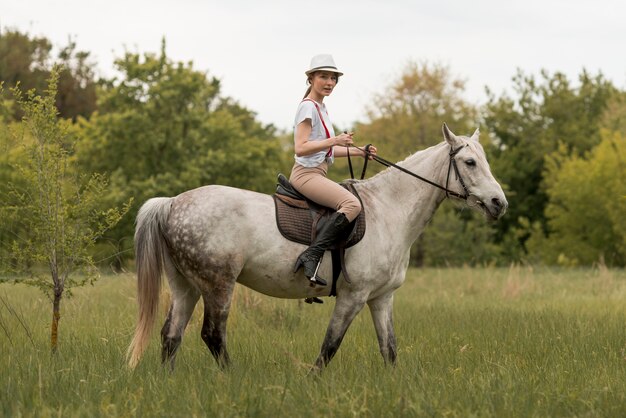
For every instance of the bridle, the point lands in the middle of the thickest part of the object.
(452, 164)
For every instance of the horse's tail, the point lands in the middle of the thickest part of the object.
(150, 252)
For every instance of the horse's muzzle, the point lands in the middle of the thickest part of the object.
(496, 208)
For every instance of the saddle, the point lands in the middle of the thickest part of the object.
(299, 220)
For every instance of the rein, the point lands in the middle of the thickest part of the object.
(366, 150)
(386, 163)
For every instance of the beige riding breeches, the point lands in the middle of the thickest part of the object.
(313, 183)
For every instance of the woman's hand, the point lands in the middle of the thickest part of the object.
(344, 139)
(372, 150)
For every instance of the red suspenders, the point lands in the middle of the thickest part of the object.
(319, 112)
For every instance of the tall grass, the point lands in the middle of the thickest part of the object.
(471, 342)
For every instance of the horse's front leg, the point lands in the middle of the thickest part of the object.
(381, 309)
(346, 308)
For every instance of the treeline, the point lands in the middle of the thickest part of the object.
(157, 129)
(558, 148)
(160, 127)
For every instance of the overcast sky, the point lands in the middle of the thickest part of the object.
(260, 49)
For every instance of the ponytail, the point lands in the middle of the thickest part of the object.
(308, 90)
(309, 81)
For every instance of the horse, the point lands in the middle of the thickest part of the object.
(208, 239)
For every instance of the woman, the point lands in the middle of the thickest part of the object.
(316, 147)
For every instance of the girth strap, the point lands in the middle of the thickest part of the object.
(339, 266)
(336, 271)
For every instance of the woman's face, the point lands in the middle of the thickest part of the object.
(324, 82)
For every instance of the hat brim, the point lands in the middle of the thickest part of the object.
(330, 69)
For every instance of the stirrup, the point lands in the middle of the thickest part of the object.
(313, 300)
(315, 279)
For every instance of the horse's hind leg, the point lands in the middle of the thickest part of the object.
(216, 307)
(184, 299)
(381, 309)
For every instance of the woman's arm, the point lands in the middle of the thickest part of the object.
(305, 147)
(354, 152)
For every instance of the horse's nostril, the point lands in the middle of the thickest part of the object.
(496, 202)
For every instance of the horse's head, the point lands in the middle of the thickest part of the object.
(484, 192)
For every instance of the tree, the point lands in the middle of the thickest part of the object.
(24, 59)
(409, 113)
(28, 61)
(457, 237)
(9, 178)
(586, 206)
(408, 116)
(76, 96)
(614, 117)
(163, 128)
(59, 210)
(527, 129)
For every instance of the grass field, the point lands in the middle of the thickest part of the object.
(471, 342)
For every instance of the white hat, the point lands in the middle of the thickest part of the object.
(323, 62)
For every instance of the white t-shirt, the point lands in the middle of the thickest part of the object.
(307, 110)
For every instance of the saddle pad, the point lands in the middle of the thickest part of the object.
(295, 221)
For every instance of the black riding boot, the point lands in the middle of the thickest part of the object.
(311, 257)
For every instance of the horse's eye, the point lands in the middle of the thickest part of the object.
(470, 162)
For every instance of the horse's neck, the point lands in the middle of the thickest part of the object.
(408, 203)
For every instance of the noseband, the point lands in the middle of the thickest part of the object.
(452, 163)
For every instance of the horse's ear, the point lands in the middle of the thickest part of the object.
(449, 136)
(475, 135)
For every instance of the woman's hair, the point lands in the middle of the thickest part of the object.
(309, 81)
